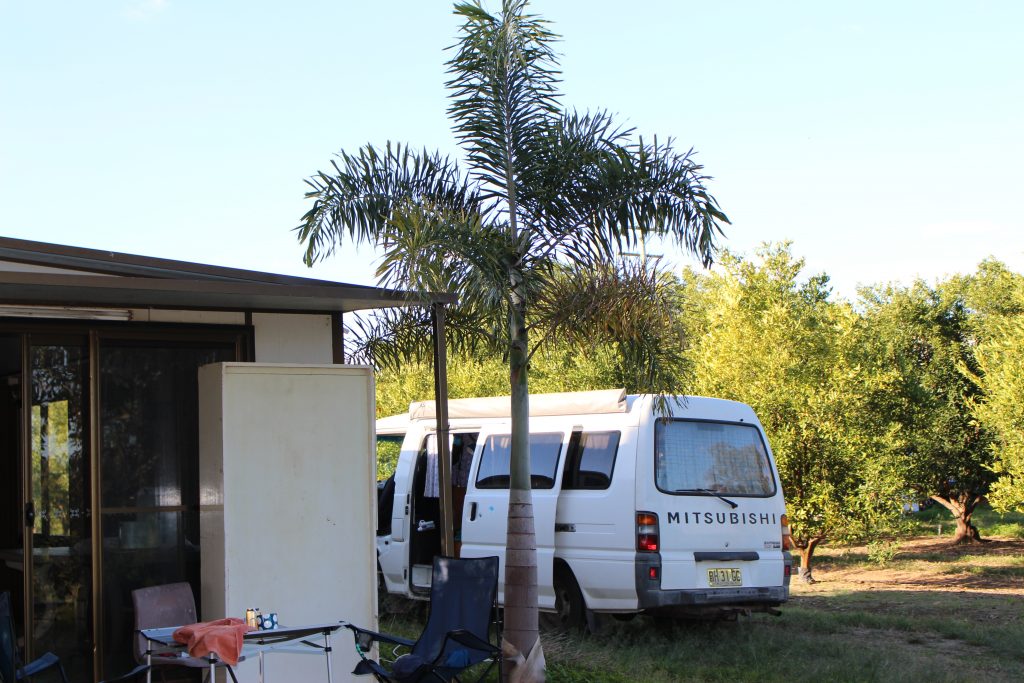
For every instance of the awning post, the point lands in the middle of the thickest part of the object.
(437, 317)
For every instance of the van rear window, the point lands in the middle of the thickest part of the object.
(494, 461)
(692, 456)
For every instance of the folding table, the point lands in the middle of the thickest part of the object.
(290, 639)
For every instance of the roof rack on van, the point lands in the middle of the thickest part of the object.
(564, 403)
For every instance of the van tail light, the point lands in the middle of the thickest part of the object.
(647, 538)
(787, 538)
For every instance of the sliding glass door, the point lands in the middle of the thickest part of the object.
(99, 495)
(148, 465)
(58, 507)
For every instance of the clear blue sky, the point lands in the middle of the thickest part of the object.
(884, 138)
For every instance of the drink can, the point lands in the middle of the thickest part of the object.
(250, 618)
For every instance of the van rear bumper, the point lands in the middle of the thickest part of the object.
(769, 595)
(650, 594)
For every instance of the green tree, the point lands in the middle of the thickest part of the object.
(554, 368)
(939, 450)
(996, 296)
(1001, 361)
(529, 236)
(763, 336)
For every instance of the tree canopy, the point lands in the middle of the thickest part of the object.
(996, 296)
(762, 335)
(941, 451)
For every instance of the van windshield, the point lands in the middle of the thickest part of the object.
(694, 457)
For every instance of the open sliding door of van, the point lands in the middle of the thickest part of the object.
(485, 514)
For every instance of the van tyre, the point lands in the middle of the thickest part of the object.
(570, 608)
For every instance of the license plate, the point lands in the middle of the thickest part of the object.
(720, 577)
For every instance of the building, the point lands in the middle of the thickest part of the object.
(100, 423)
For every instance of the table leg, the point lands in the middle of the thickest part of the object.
(213, 669)
(149, 661)
(327, 653)
(261, 666)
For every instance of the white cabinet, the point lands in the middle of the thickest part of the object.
(288, 501)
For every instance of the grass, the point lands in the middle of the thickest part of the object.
(935, 613)
(850, 638)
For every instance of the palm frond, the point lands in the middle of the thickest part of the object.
(655, 189)
(366, 190)
(390, 338)
(637, 309)
(560, 198)
(593, 192)
(503, 89)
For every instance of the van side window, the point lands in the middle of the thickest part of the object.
(388, 448)
(590, 461)
(494, 461)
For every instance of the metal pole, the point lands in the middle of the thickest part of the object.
(444, 460)
(327, 652)
(337, 338)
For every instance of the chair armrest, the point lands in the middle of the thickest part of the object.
(42, 663)
(365, 638)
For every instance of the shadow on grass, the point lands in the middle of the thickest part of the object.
(943, 551)
(841, 559)
(994, 574)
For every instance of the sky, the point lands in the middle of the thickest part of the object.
(884, 139)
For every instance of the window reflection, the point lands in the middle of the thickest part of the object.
(61, 534)
(149, 474)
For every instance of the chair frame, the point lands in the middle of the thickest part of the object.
(40, 664)
(141, 646)
(365, 638)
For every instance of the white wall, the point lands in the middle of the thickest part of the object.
(288, 502)
(292, 338)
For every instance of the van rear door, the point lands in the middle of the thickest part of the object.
(485, 514)
(719, 505)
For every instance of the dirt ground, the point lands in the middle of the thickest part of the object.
(925, 564)
(928, 579)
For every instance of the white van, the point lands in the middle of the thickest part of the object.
(635, 511)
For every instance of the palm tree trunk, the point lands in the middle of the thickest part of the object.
(521, 625)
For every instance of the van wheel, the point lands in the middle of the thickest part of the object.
(570, 609)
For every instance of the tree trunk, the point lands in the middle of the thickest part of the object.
(806, 550)
(521, 629)
(962, 507)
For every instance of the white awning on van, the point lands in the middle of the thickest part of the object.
(393, 424)
(564, 403)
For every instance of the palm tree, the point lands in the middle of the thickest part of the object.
(531, 235)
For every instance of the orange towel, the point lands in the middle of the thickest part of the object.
(221, 636)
